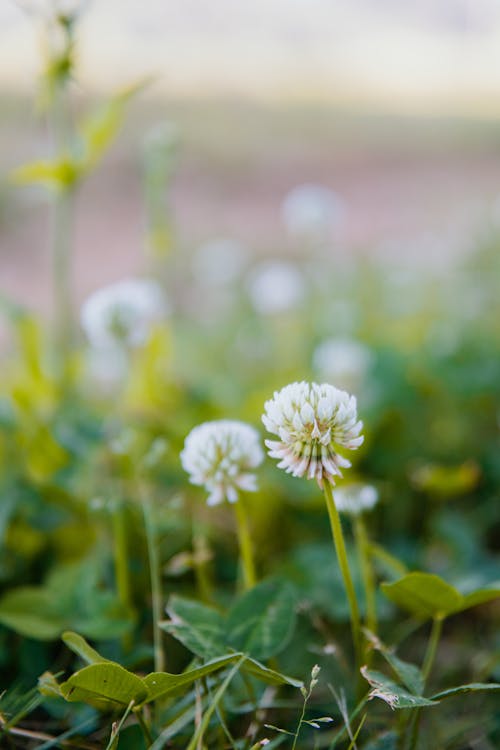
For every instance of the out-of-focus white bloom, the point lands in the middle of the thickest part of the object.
(342, 360)
(355, 498)
(219, 262)
(219, 455)
(105, 367)
(311, 210)
(275, 287)
(312, 421)
(123, 313)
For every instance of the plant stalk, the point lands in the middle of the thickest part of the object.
(62, 221)
(363, 548)
(339, 543)
(155, 579)
(246, 547)
(122, 575)
(430, 654)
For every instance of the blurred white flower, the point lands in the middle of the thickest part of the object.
(105, 367)
(312, 210)
(344, 361)
(275, 287)
(355, 498)
(219, 456)
(312, 422)
(123, 313)
(219, 261)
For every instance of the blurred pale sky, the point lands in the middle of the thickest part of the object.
(439, 56)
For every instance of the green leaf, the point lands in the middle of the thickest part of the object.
(104, 685)
(196, 626)
(29, 610)
(409, 674)
(48, 685)
(59, 174)
(426, 595)
(473, 687)
(161, 684)
(270, 676)
(79, 646)
(100, 129)
(262, 620)
(480, 596)
(393, 694)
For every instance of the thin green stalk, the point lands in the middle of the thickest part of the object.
(246, 548)
(116, 729)
(122, 576)
(144, 727)
(62, 220)
(155, 579)
(198, 735)
(367, 573)
(338, 539)
(200, 563)
(430, 654)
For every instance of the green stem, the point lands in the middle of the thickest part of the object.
(155, 579)
(122, 577)
(430, 654)
(200, 731)
(61, 263)
(144, 727)
(62, 219)
(338, 539)
(201, 564)
(367, 573)
(245, 542)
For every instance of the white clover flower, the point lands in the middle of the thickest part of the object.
(311, 210)
(123, 313)
(219, 261)
(344, 361)
(312, 421)
(355, 498)
(219, 456)
(105, 368)
(275, 287)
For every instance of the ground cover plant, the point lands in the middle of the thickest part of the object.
(261, 511)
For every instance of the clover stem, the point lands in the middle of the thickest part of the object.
(155, 578)
(201, 557)
(430, 654)
(338, 539)
(122, 577)
(245, 543)
(62, 215)
(363, 548)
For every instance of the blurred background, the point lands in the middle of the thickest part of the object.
(394, 107)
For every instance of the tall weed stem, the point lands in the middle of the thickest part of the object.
(338, 539)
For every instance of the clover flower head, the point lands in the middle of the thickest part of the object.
(276, 286)
(123, 313)
(220, 455)
(312, 422)
(356, 498)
